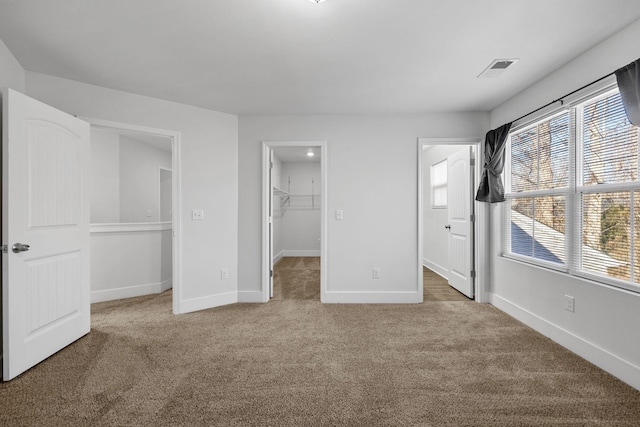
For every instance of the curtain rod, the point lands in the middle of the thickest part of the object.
(561, 99)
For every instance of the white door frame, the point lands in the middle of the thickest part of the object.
(481, 247)
(267, 146)
(176, 253)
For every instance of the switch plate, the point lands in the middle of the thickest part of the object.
(197, 214)
(224, 273)
(569, 303)
(148, 213)
(339, 214)
(376, 272)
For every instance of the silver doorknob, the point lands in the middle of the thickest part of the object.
(448, 227)
(19, 247)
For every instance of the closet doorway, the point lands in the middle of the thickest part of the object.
(294, 220)
(133, 201)
(448, 219)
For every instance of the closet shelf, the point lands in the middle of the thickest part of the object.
(280, 192)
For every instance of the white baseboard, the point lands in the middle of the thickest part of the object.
(250, 296)
(302, 253)
(372, 297)
(620, 368)
(278, 257)
(440, 270)
(210, 301)
(166, 285)
(126, 292)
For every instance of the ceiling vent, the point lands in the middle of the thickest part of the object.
(497, 67)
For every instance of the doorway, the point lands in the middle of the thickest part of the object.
(134, 203)
(449, 218)
(294, 220)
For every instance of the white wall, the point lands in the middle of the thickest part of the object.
(105, 177)
(129, 262)
(372, 166)
(209, 176)
(435, 236)
(301, 221)
(12, 74)
(603, 328)
(140, 180)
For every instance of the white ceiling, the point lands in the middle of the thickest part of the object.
(299, 57)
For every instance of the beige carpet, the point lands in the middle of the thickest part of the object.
(296, 362)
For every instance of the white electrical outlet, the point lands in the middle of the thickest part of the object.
(224, 273)
(197, 214)
(339, 215)
(376, 272)
(569, 303)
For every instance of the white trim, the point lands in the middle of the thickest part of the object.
(130, 227)
(129, 291)
(250, 296)
(176, 202)
(436, 268)
(267, 146)
(602, 358)
(334, 297)
(300, 253)
(278, 257)
(481, 229)
(210, 301)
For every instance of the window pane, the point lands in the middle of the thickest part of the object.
(440, 197)
(538, 228)
(606, 231)
(610, 143)
(439, 184)
(540, 156)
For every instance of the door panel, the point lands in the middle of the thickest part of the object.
(45, 289)
(459, 217)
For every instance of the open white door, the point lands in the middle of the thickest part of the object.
(270, 222)
(460, 221)
(45, 231)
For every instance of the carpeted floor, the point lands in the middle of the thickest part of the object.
(437, 288)
(297, 362)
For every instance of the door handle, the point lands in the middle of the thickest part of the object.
(448, 227)
(19, 247)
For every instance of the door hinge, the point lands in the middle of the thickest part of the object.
(270, 165)
(5, 249)
(472, 273)
(473, 218)
(473, 162)
(271, 273)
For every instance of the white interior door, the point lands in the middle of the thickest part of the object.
(45, 286)
(460, 211)
(270, 223)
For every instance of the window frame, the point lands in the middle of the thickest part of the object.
(573, 192)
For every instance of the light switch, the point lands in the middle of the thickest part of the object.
(148, 213)
(339, 214)
(197, 214)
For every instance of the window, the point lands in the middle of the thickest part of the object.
(573, 194)
(439, 185)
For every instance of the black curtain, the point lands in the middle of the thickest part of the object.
(629, 84)
(491, 189)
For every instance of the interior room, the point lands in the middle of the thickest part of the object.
(539, 89)
(296, 221)
(131, 219)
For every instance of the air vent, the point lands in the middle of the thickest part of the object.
(497, 67)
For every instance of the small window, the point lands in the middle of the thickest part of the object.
(439, 185)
